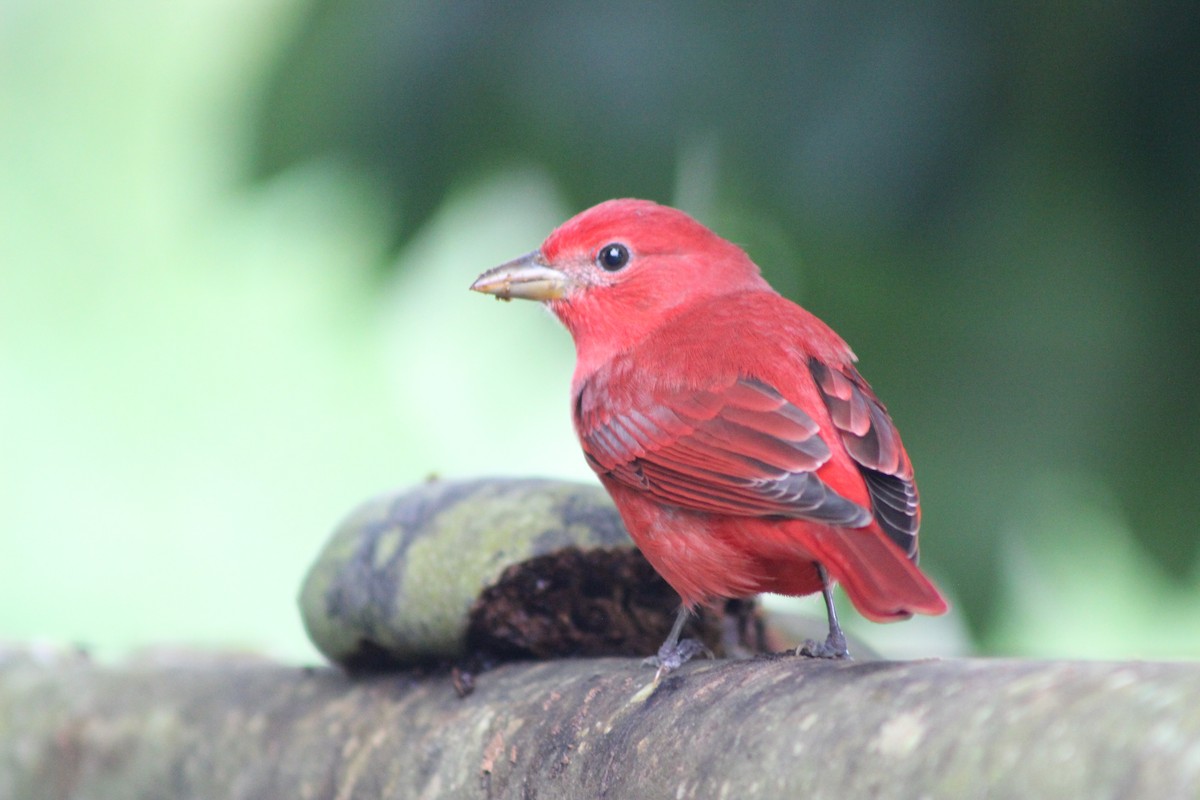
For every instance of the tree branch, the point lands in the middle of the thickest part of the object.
(769, 727)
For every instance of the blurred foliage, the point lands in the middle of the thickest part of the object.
(235, 239)
(847, 117)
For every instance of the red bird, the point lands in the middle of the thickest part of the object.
(742, 448)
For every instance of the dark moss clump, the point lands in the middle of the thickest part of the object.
(589, 603)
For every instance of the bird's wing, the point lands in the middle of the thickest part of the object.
(871, 439)
(741, 449)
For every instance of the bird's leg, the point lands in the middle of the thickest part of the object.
(834, 645)
(675, 653)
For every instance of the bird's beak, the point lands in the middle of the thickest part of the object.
(527, 277)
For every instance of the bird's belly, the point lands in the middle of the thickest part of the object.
(706, 556)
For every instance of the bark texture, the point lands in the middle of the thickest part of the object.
(770, 727)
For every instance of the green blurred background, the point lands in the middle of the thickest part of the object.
(236, 235)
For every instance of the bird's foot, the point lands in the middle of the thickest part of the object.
(834, 647)
(673, 655)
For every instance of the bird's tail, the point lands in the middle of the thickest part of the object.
(878, 577)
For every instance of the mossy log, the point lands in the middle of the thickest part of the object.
(769, 727)
(478, 571)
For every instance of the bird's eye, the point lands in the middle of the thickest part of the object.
(613, 256)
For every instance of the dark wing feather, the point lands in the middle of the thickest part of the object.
(742, 449)
(872, 441)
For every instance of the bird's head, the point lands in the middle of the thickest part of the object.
(613, 273)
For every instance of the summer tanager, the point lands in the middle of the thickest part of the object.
(744, 451)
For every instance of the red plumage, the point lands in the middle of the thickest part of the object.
(739, 443)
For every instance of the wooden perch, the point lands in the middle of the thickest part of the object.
(772, 727)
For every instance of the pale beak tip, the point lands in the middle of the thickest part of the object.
(488, 283)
